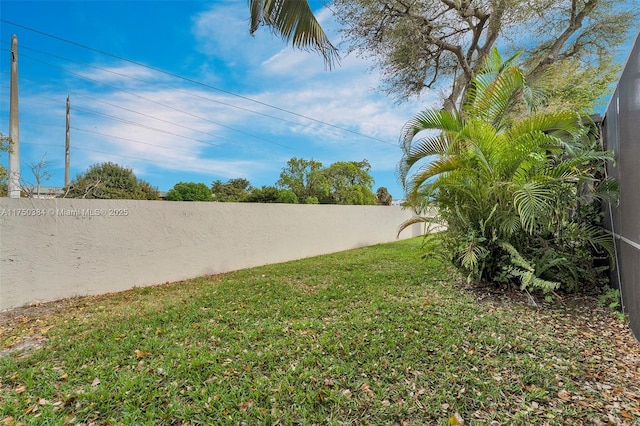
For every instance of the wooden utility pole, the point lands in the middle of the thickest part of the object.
(14, 128)
(67, 146)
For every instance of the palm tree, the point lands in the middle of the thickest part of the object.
(505, 184)
(294, 21)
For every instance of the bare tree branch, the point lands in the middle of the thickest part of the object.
(438, 44)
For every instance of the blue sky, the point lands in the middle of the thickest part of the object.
(219, 111)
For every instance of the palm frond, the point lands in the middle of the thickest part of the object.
(525, 151)
(562, 124)
(471, 255)
(508, 223)
(493, 96)
(435, 168)
(533, 201)
(431, 145)
(422, 150)
(419, 219)
(294, 21)
(441, 120)
(596, 236)
(608, 190)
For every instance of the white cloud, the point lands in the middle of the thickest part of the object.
(129, 74)
(182, 129)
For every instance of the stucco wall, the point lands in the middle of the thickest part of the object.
(51, 249)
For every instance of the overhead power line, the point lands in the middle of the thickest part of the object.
(120, 155)
(79, 129)
(192, 81)
(158, 103)
(177, 89)
(81, 95)
(142, 126)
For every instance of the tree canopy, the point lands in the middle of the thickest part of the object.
(343, 182)
(349, 183)
(442, 44)
(189, 191)
(427, 44)
(271, 194)
(235, 190)
(383, 197)
(110, 181)
(305, 179)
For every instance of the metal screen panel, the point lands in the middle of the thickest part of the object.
(621, 132)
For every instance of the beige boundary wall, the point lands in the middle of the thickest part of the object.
(53, 249)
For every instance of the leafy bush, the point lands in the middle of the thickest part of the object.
(383, 197)
(520, 193)
(271, 194)
(235, 190)
(189, 191)
(110, 181)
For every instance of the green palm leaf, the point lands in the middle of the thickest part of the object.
(441, 120)
(502, 180)
(508, 222)
(423, 149)
(293, 20)
(607, 190)
(564, 125)
(533, 201)
(494, 96)
(432, 145)
(422, 220)
(470, 256)
(428, 171)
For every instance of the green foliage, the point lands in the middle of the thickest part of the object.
(518, 192)
(349, 183)
(293, 21)
(305, 179)
(266, 194)
(287, 196)
(383, 197)
(271, 194)
(5, 146)
(344, 182)
(582, 87)
(110, 181)
(189, 191)
(610, 299)
(420, 44)
(235, 190)
(306, 182)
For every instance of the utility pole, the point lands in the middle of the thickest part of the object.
(14, 128)
(67, 148)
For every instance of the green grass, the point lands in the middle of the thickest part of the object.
(370, 336)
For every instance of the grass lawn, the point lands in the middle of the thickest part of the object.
(370, 336)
